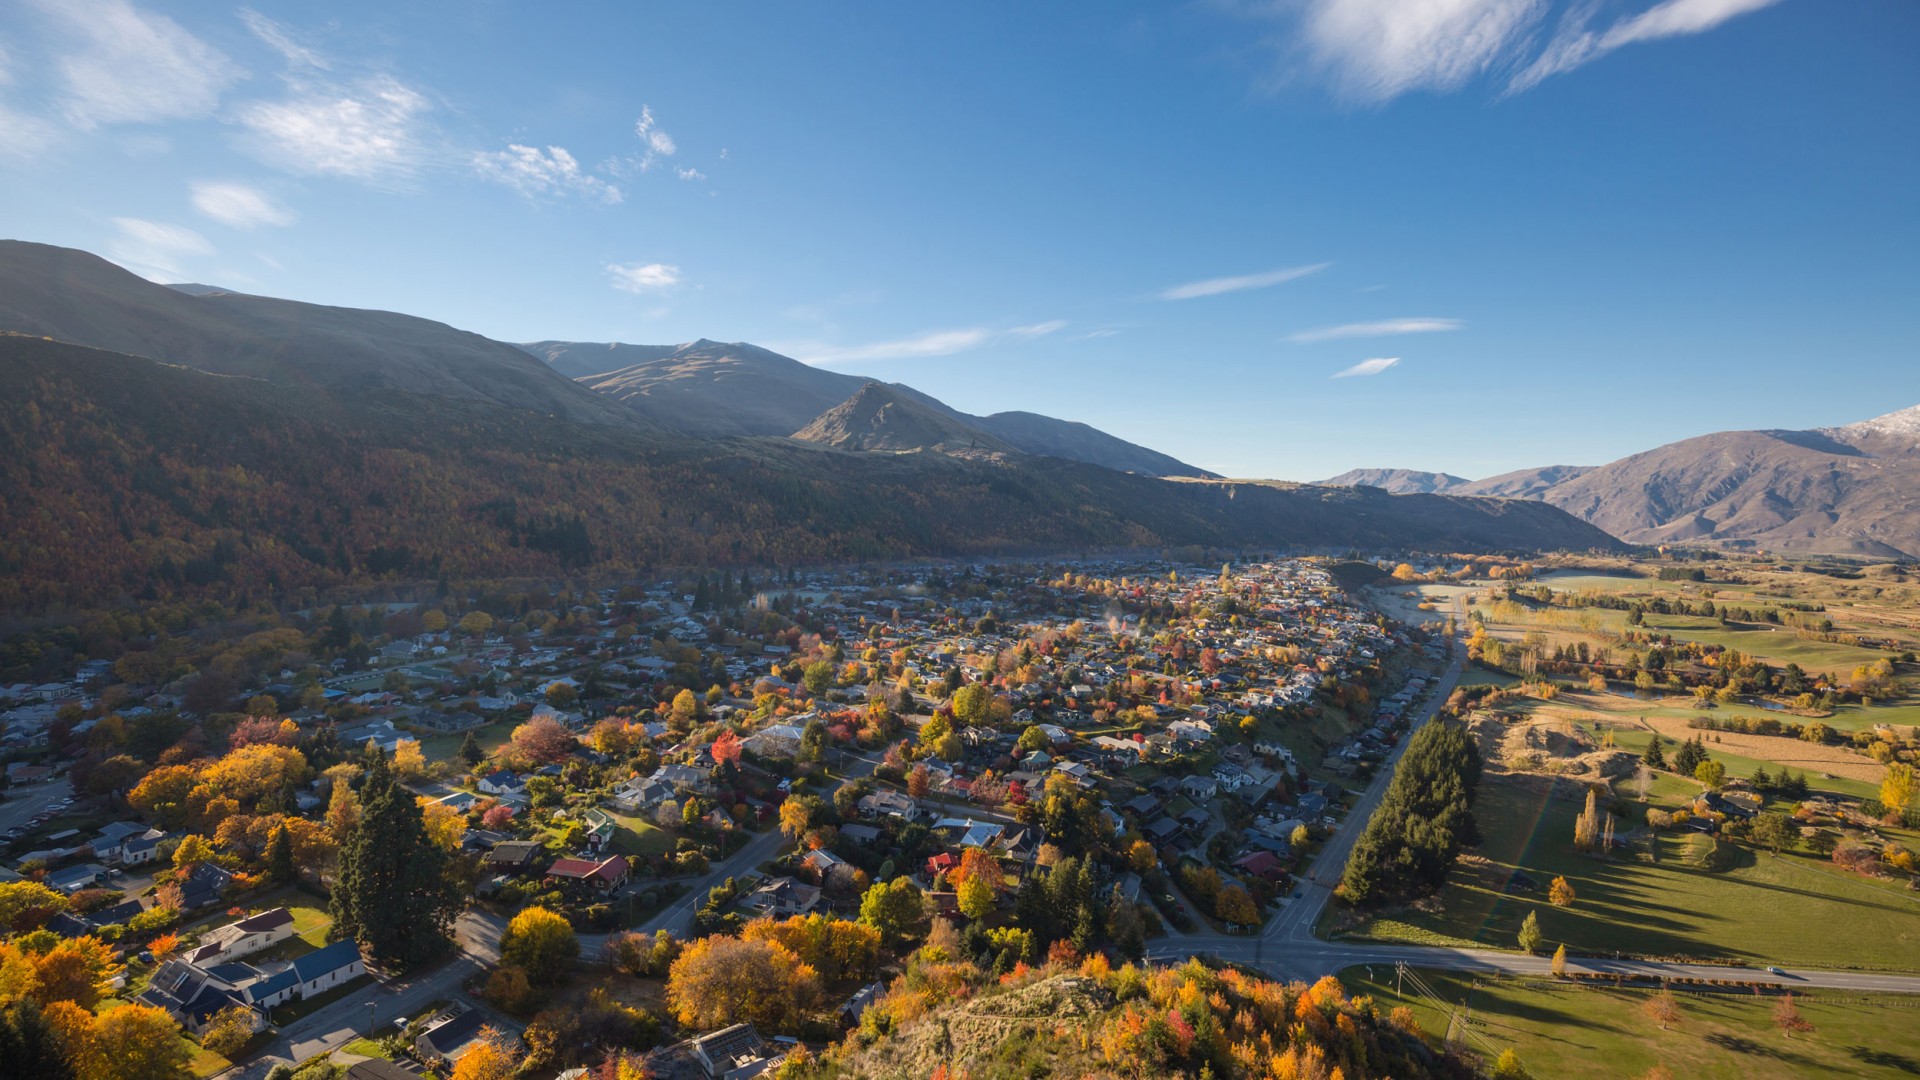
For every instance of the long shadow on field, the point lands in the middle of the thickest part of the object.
(1740, 1044)
(1886, 1059)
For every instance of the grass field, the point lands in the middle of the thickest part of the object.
(491, 737)
(1562, 1029)
(637, 837)
(1791, 909)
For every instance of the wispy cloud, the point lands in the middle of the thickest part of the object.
(1215, 286)
(1573, 44)
(641, 278)
(283, 40)
(119, 64)
(1382, 328)
(155, 250)
(370, 130)
(534, 172)
(242, 206)
(1375, 50)
(655, 146)
(1367, 367)
(929, 344)
(1040, 329)
(689, 173)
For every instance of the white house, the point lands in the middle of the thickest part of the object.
(324, 969)
(243, 938)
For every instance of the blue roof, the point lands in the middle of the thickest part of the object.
(273, 984)
(320, 961)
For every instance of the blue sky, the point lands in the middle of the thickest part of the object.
(1533, 232)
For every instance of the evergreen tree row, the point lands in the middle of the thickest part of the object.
(1423, 821)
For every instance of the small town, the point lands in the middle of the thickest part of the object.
(1016, 759)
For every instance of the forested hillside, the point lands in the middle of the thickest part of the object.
(125, 478)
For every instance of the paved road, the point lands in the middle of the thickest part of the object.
(677, 918)
(343, 1021)
(1288, 949)
(25, 801)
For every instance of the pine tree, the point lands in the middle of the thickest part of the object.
(280, 857)
(470, 751)
(393, 895)
(29, 1046)
(1655, 757)
(1530, 936)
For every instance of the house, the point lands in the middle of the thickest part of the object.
(514, 857)
(863, 835)
(111, 842)
(889, 803)
(324, 969)
(142, 849)
(776, 740)
(449, 723)
(74, 878)
(600, 829)
(857, 1005)
(604, 876)
(1265, 865)
(732, 1053)
(205, 885)
(243, 938)
(502, 784)
(782, 896)
(640, 793)
(448, 1036)
(966, 832)
(1200, 787)
(685, 778)
(192, 994)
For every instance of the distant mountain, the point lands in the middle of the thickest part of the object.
(881, 417)
(710, 388)
(1851, 490)
(73, 296)
(1398, 481)
(1522, 483)
(122, 479)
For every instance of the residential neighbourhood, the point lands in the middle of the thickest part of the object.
(607, 757)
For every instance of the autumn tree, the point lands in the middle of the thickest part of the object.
(26, 905)
(798, 813)
(719, 981)
(540, 941)
(162, 795)
(976, 898)
(228, 1030)
(1561, 892)
(544, 740)
(1586, 827)
(1786, 1016)
(1897, 789)
(1233, 905)
(1711, 773)
(834, 947)
(726, 748)
(1559, 967)
(1663, 1009)
(30, 1046)
(488, 1057)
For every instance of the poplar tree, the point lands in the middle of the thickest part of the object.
(393, 895)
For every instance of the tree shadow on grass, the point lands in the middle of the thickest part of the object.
(1885, 1059)
(1740, 1044)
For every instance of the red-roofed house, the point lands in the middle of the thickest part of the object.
(594, 875)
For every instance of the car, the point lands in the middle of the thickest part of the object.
(1775, 971)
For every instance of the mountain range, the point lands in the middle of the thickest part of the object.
(1851, 490)
(713, 388)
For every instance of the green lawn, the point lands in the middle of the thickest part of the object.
(1792, 909)
(1475, 675)
(636, 837)
(441, 747)
(1562, 1029)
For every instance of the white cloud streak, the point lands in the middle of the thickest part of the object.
(155, 250)
(1367, 367)
(1216, 286)
(368, 131)
(534, 172)
(282, 40)
(1382, 328)
(642, 278)
(1573, 45)
(1372, 51)
(118, 64)
(242, 206)
(929, 344)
